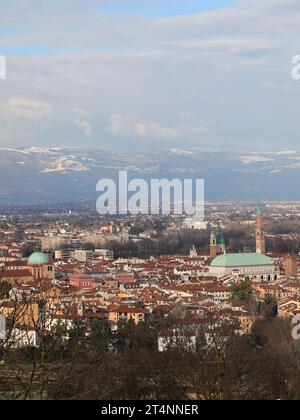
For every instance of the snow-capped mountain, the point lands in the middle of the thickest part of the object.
(46, 174)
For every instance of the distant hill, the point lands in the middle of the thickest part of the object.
(47, 174)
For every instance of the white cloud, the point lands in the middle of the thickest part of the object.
(84, 122)
(131, 125)
(81, 112)
(27, 108)
(235, 45)
(85, 127)
(218, 78)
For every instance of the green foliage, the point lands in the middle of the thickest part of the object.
(263, 365)
(5, 288)
(242, 292)
(270, 308)
(99, 335)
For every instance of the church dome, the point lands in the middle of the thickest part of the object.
(241, 260)
(221, 240)
(38, 258)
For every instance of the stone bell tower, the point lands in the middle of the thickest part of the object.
(213, 244)
(260, 235)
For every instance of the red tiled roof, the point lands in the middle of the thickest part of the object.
(15, 274)
(126, 309)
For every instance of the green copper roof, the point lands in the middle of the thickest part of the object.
(38, 258)
(241, 260)
(221, 240)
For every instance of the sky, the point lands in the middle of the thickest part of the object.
(134, 75)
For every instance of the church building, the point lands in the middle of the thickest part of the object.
(248, 264)
(252, 265)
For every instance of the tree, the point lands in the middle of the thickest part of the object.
(242, 291)
(5, 288)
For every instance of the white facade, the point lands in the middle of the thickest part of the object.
(251, 265)
(177, 339)
(253, 271)
(23, 337)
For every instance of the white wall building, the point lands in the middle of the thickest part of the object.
(251, 265)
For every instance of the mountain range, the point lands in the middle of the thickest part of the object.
(64, 174)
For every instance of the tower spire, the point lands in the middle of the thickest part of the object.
(213, 244)
(260, 235)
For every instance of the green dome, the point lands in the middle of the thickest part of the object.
(38, 258)
(221, 240)
(241, 260)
